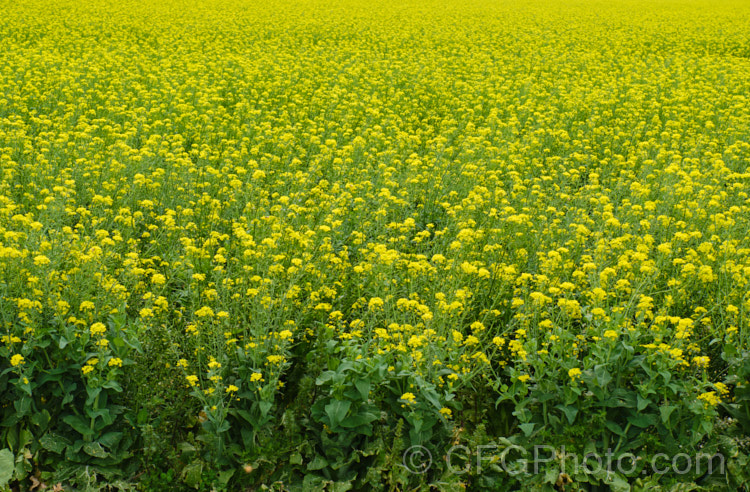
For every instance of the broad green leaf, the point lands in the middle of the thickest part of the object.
(225, 476)
(602, 375)
(41, 419)
(336, 411)
(666, 411)
(358, 419)
(642, 403)
(53, 442)
(78, 424)
(94, 449)
(111, 439)
(642, 421)
(7, 463)
(614, 427)
(191, 474)
(527, 428)
(318, 463)
(363, 386)
(569, 411)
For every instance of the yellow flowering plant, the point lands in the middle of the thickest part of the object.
(526, 225)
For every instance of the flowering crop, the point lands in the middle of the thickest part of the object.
(365, 226)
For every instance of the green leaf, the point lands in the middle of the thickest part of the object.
(103, 413)
(111, 439)
(11, 439)
(186, 447)
(341, 486)
(602, 375)
(113, 385)
(569, 411)
(53, 442)
(224, 477)
(94, 449)
(264, 407)
(551, 475)
(336, 411)
(642, 421)
(244, 414)
(432, 396)
(614, 427)
(527, 428)
(666, 375)
(69, 394)
(362, 418)
(54, 375)
(78, 424)
(22, 405)
(41, 419)
(24, 438)
(6, 467)
(617, 483)
(92, 393)
(666, 411)
(191, 474)
(363, 386)
(642, 403)
(318, 463)
(324, 377)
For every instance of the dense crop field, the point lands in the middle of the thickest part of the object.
(397, 245)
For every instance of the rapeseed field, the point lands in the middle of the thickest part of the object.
(388, 245)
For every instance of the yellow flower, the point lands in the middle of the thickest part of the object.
(477, 326)
(115, 362)
(446, 412)
(710, 399)
(375, 303)
(41, 260)
(205, 312)
(611, 334)
(409, 398)
(598, 312)
(232, 389)
(574, 373)
(721, 388)
(256, 376)
(16, 360)
(192, 379)
(524, 377)
(98, 329)
(701, 361)
(471, 340)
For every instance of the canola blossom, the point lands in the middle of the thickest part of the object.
(355, 214)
